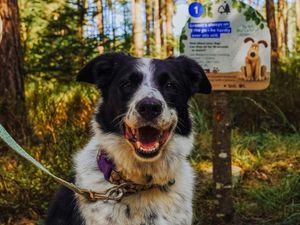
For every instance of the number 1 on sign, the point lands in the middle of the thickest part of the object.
(196, 10)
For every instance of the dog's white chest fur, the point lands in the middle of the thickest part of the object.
(153, 207)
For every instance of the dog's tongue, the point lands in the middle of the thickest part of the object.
(148, 137)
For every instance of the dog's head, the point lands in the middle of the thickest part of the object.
(145, 101)
(253, 51)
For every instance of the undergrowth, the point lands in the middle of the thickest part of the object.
(268, 191)
(59, 117)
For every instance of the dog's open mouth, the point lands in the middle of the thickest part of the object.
(147, 140)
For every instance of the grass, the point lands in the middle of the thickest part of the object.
(269, 189)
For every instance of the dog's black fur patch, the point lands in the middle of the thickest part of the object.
(63, 209)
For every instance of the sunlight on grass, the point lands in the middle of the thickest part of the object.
(268, 192)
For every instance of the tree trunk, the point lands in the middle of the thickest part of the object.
(282, 30)
(81, 4)
(12, 100)
(137, 26)
(161, 26)
(286, 25)
(0, 29)
(148, 4)
(157, 34)
(298, 15)
(169, 28)
(222, 171)
(270, 11)
(113, 27)
(100, 25)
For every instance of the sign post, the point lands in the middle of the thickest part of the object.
(221, 146)
(231, 41)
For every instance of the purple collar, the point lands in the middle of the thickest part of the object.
(105, 165)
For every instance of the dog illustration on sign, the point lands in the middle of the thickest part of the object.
(253, 70)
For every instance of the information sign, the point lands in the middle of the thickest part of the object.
(231, 41)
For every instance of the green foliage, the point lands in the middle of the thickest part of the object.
(208, 9)
(59, 116)
(183, 37)
(58, 49)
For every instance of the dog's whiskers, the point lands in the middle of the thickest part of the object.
(119, 116)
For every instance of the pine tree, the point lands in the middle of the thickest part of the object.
(137, 28)
(157, 30)
(270, 11)
(12, 102)
(100, 25)
(169, 10)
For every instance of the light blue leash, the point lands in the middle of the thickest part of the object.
(115, 193)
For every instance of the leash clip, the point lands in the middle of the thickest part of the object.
(116, 193)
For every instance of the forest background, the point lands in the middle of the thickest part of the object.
(45, 43)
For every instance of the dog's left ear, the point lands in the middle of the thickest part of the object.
(263, 42)
(198, 79)
(100, 70)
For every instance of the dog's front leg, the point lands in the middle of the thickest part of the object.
(248, 70)
(257, 74)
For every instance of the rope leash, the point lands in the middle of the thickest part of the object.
(116, 193)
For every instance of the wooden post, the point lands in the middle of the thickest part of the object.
(222, 174)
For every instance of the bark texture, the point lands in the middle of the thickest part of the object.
(100, 25)
(169, 27)
(222, 171)
(81, 21)
(161, 26)
(148, 4)
(270, 11)
(282, 27)
(298, 15)
(137, 26)
(157, 31)
(12, 101)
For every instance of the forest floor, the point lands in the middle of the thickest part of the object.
(267, 192)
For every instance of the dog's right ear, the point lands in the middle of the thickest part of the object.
(248, 39)
(100, 70)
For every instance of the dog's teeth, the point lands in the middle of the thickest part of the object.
(147, 150)
(138, 144)
(156, 145)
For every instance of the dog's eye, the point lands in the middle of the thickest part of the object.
(126, 84)
(170, 85)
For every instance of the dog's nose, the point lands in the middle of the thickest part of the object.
(149, 108)
(252, 54)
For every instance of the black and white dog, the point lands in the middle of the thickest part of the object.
(142, 129)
